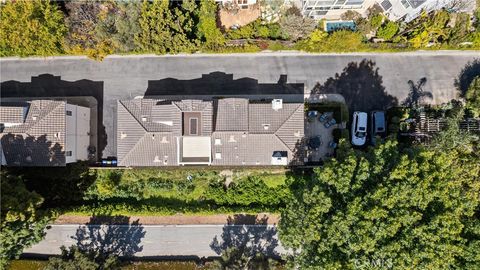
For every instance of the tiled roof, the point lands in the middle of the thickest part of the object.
(262, 119)
(40, 139)
(237, 148)
(13, 114)
(147, 129)
(239, 136)
(231, 114)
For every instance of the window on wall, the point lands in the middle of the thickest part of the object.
(69, 113)
(68, 153)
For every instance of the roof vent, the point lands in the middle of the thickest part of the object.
(165, 160)
(266, 126)
(123, 135)
(297, 134)
(277, 104)
(157, 159)
(34, 117)
(164, 140)
(232, 139)
(144, 119)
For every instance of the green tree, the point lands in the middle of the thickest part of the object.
(76, 259)
(296, 26)
(161, 31)
(429, 29)
(120, 24)
(83, 18)
(31, 27)
(388, 207)
(155, 35)
(376, 21)
(472, 97)
(388, 30)
(208, 32)
(22, 223)
(186, 20)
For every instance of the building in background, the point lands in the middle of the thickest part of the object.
(408, 10)
(43, 133)
(333, 9)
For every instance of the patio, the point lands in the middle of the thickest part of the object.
(319, 135)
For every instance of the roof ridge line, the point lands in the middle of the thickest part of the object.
(288, 118)
(133, 116)
(294, 111)
(135, 145)
(36, 123)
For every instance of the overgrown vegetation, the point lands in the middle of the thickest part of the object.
(405, 208)
(100, 28)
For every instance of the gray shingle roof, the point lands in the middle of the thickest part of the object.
(40, 139)
(238, 127)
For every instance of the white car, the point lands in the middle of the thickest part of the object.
(359, 128)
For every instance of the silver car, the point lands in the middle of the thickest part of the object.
(359, 128)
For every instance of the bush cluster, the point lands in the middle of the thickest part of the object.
(250, 191)
(170, 191)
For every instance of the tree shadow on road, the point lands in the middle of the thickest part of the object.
(416, 94)
(246, 246)
(361, 86)
(114, 235)
(466, 76)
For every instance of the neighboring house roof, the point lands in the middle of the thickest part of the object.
(244, 132)
(33, 133)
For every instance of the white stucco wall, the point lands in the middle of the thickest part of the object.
(78, 129)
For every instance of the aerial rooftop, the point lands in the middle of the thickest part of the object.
(229, 131)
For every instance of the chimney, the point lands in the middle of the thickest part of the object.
(277, 104)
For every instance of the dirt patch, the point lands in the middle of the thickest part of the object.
(238, 15)
(246, 219)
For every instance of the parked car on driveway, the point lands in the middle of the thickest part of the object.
(378, 125)
(359, 128)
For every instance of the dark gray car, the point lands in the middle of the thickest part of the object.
(378, 125)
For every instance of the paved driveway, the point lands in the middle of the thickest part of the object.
(273, 73)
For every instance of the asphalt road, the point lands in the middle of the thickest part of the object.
(123, 77)
(158, 241)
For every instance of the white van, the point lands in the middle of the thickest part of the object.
(359, 128)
